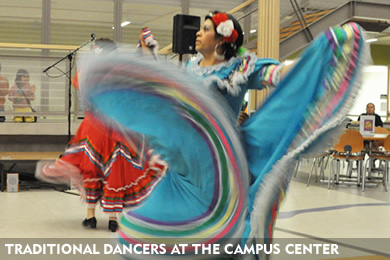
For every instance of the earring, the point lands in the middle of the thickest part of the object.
(217, 55)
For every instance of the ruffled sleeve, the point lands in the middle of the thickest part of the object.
(239, 73)
(265, 73)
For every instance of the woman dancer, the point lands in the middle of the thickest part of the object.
(119, 172)
(224, 184)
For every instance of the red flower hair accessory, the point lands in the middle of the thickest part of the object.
(225, 27)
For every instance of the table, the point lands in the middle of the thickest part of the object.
(23, 157)
(375, 138)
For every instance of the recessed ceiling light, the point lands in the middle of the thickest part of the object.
(253, 31)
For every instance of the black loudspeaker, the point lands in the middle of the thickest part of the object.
(184, 33)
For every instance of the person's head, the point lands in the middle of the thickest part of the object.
(103, 45)
(370, 109)
(22, 77)
(219, 31)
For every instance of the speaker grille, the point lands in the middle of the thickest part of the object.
(12, 182)
(184, 33)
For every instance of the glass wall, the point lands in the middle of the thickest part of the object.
(73, 22)
(70, 23)
(21, 21)
(51, 95)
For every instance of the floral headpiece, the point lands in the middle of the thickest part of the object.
(225, 27)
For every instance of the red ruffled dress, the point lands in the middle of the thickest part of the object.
(117, 172)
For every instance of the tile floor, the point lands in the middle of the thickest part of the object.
(358, 222)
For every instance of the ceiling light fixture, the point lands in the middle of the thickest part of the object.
(288, 62)
(372, 40)
(125, 23)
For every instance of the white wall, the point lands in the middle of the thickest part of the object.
(374, 85)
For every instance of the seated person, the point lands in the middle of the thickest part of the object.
(371, 112)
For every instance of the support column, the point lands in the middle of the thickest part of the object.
(46, 20)
(268, 30)
(45, 39)
(118, 4)
(185, 7)
(388, 92)
(247, 23)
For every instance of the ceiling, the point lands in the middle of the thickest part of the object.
(72, 21)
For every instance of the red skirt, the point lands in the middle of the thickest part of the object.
(119, 172)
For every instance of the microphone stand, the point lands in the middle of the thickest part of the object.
(70, 58)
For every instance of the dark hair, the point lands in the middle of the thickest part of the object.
(21, 73)
(229, 49)
(106, 44)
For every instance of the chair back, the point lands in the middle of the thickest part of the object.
(381, 130)
(386, 144)
(350, 138)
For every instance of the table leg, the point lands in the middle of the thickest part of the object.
(2, 177)
(370, 162)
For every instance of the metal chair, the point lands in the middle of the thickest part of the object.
(320, 161)
(350, 148)
(384, 158)
(379, 130)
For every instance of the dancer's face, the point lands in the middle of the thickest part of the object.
(205, 38)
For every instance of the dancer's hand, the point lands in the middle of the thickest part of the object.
(242, 118)
(147, 42)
